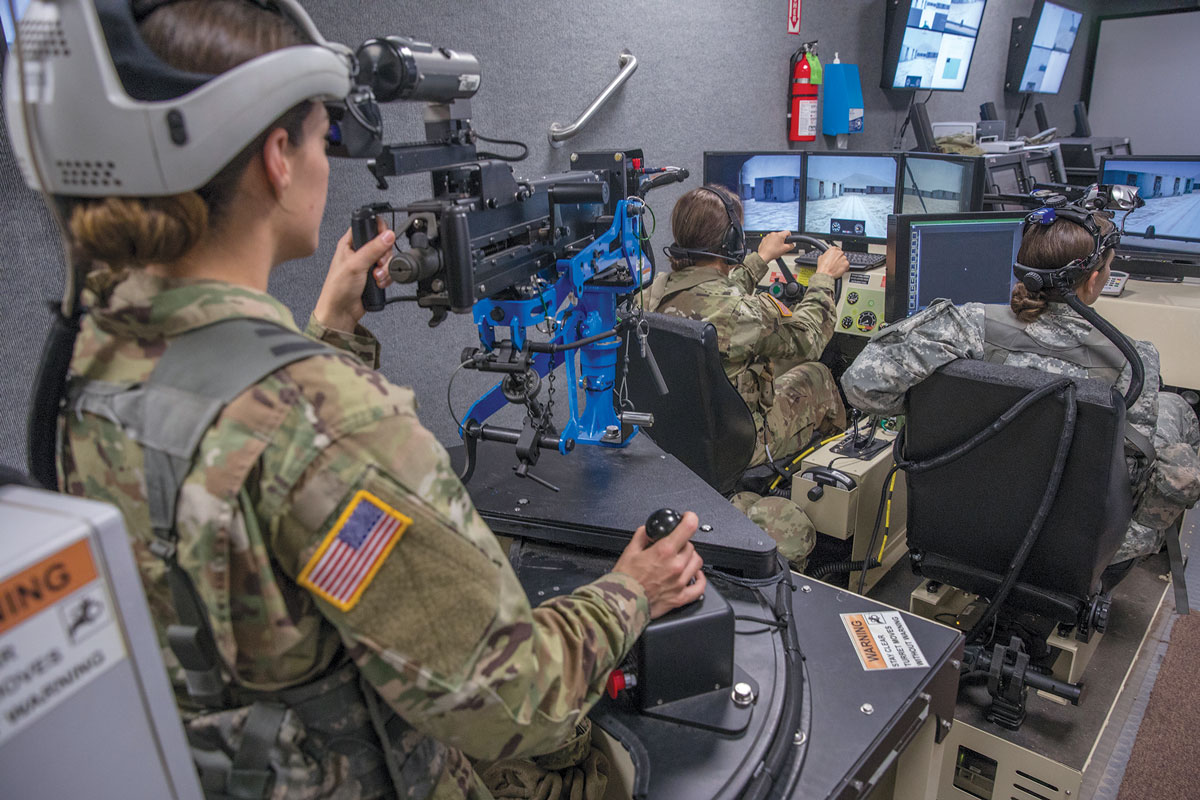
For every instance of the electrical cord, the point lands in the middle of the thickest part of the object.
(803, 455)
(1065, 388)
(509, 142)
(449, 386)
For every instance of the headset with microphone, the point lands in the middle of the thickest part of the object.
(733, 241)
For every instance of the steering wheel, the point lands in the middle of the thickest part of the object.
(792, 290)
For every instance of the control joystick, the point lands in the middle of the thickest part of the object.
(662, 522)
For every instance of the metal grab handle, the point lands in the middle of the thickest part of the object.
(560, 133)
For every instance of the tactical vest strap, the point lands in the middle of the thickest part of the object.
(250, 776)
(1004, 334)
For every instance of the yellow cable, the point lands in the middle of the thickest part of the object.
(800, 457)
(887, 516)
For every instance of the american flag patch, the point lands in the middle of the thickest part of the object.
(353, 551)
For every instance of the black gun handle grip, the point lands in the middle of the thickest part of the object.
(662, 522)
(363, 228)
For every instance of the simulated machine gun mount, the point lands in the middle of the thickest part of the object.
(561, 254)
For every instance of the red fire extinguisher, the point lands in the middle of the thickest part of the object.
(802, 108)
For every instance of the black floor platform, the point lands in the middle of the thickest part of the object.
(857, 719)
(1064, 733)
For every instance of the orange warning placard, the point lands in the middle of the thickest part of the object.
(864, 641)
(45, 583)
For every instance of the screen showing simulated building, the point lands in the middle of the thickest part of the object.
(767, 184)
(1051, 49)
(849, 195)
(932, 186)
(939, 38)
(1170, 220)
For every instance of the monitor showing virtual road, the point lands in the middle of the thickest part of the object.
(1052, 42)
(1170, 220)
(937, 184)
(767, 183)
(966, 258)
(849, 196)
(939, 38)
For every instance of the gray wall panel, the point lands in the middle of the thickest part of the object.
(712, 76)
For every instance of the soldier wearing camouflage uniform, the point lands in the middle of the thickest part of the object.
(1041, 333)
(769, 351)
(437, 644)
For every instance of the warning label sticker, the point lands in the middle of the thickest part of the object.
(883, 641)
(57, 634)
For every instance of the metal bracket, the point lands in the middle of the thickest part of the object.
(560, 133)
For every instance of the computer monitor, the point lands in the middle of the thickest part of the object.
(1040, 167)
(1005, 175)
(1169, 223)
(929, 43)
(768, 185)
(1040, 48)
(963, 257)
(848, 196)
(940, 184)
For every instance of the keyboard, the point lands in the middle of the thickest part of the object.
(1115, 283)
(857, 260)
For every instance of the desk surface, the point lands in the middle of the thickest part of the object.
(1166, 314)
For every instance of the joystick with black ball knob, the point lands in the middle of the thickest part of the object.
(662, 522)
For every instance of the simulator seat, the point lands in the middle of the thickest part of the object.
(969, 517)
(702, 420)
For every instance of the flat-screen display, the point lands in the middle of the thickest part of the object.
(938, 184)
(1046, 60)
(849, 196)
(966, 258)
(767, 183)
(1170, 220)
(1041, 168)
(931, 43)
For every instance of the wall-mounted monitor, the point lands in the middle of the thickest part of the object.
(929, 43)
(1040, 48)
(1169, 223)
(848, 196)
(936, 184)
(966, 258)
(769, 185)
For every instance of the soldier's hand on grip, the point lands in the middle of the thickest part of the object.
(665, 568)
(773, 246)
(340, 304)
(833, 263)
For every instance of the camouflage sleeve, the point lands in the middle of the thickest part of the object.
(1174, 480)
(910, 351)
(441, 627)
(748, 274)
(771, 330)
(362, 344)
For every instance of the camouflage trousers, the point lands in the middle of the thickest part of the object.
(785, 522)
(806, 402)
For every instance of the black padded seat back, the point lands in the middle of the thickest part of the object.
(967, 518)
(702, 421)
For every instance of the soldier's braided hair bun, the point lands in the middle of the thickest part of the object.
(1050, 247)
(208, 37)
